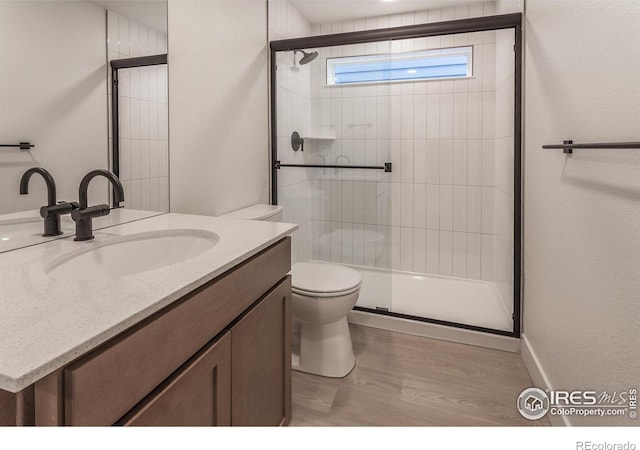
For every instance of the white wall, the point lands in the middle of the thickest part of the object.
(143, 113)
(218, 105)
(52, 93)
(582, 212)
(286, 22)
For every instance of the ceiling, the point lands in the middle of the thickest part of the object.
(327, 11)
(152, 13)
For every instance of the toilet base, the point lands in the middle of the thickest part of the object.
(325, 349)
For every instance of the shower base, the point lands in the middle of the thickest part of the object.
(462, 301)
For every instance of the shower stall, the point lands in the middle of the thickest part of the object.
(397, 152)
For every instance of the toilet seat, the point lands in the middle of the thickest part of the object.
(324, 280)
(324, 294)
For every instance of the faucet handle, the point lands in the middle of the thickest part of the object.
(91, 211)
(59, 209)
(51, 215)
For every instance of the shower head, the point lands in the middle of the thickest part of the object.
(307, 58)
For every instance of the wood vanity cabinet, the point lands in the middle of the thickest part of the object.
(218, 356)
(198, 395)
(261, 362)
(239, 379)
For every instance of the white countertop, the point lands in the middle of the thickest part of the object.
(45, 323)
(23, 229)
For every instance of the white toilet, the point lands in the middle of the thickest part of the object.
(322, 295)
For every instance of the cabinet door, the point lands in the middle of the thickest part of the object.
(198, 395)
(261, 361)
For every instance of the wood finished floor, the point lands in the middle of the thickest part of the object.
(403, 380)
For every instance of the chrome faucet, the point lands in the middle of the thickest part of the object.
(84, 215)
(52, 211)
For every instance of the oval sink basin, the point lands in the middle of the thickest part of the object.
(132, 254)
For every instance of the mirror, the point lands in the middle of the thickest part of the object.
(55, 93)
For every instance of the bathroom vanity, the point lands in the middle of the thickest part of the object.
(203, 342)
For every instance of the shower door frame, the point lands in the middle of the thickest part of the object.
(477, 24)
(116, 65)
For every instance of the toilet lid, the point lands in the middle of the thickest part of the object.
(324, 278)
(255, 212)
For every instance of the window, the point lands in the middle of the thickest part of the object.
(438, 64)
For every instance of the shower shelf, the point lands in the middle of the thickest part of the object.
(320, 138)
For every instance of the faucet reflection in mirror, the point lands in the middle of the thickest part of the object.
(52, 211)
(84, 215)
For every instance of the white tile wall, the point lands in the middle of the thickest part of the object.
(143, 114)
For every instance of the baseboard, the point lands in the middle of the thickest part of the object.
(539, 377)
(435, 331)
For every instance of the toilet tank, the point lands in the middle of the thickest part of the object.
(272, 213)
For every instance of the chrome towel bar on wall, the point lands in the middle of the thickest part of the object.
(568, 146)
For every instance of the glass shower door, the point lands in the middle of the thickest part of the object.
(452, 191)
(436, 238)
